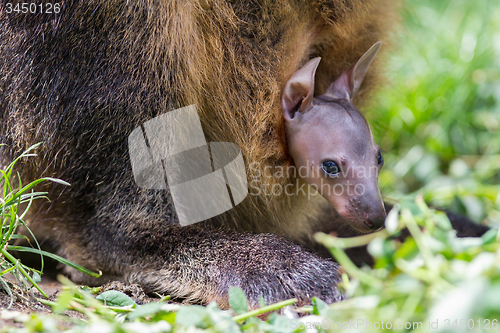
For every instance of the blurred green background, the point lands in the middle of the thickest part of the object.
(438, 118)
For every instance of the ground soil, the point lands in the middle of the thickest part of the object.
(20, 301)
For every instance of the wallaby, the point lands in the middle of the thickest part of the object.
(83, 79)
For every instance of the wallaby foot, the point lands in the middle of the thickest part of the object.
(199, 266)
(261, 265)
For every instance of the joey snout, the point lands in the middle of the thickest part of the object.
(362, 206)
(370, 211)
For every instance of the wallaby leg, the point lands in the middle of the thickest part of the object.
(465, 227)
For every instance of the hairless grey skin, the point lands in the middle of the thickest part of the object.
(328, 137)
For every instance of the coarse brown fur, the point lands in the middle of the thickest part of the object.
(82, 80)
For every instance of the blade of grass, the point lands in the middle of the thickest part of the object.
(54, 256)
(36, 241)
(9, 256)
(264, 309)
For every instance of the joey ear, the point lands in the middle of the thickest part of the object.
(299, 90)
(347, 85)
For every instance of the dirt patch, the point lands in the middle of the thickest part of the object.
(19, 301)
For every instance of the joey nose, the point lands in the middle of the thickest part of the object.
(374, 222)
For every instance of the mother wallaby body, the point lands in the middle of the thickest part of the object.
(83, 79)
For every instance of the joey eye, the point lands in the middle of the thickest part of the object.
(380, 159)
(330, 167)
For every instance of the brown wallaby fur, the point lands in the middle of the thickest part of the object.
(80, 81)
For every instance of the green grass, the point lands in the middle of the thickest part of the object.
(438, 122)
(14, 196)
(432, 275)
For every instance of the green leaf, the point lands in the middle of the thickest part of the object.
(58, 181)
(192, 315)
(392, 220)
(411, 206)
(262, 302)
(115, 298)
(250, 323)
(238, 300)
(221, 321)
(145, 310)
(36, 277)
(442, 220)
(280, 324)
(16, 236)
(62, 302)
(408, 249)
(490, 236)
(319, 307)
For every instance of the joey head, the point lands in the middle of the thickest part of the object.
(331, 144)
